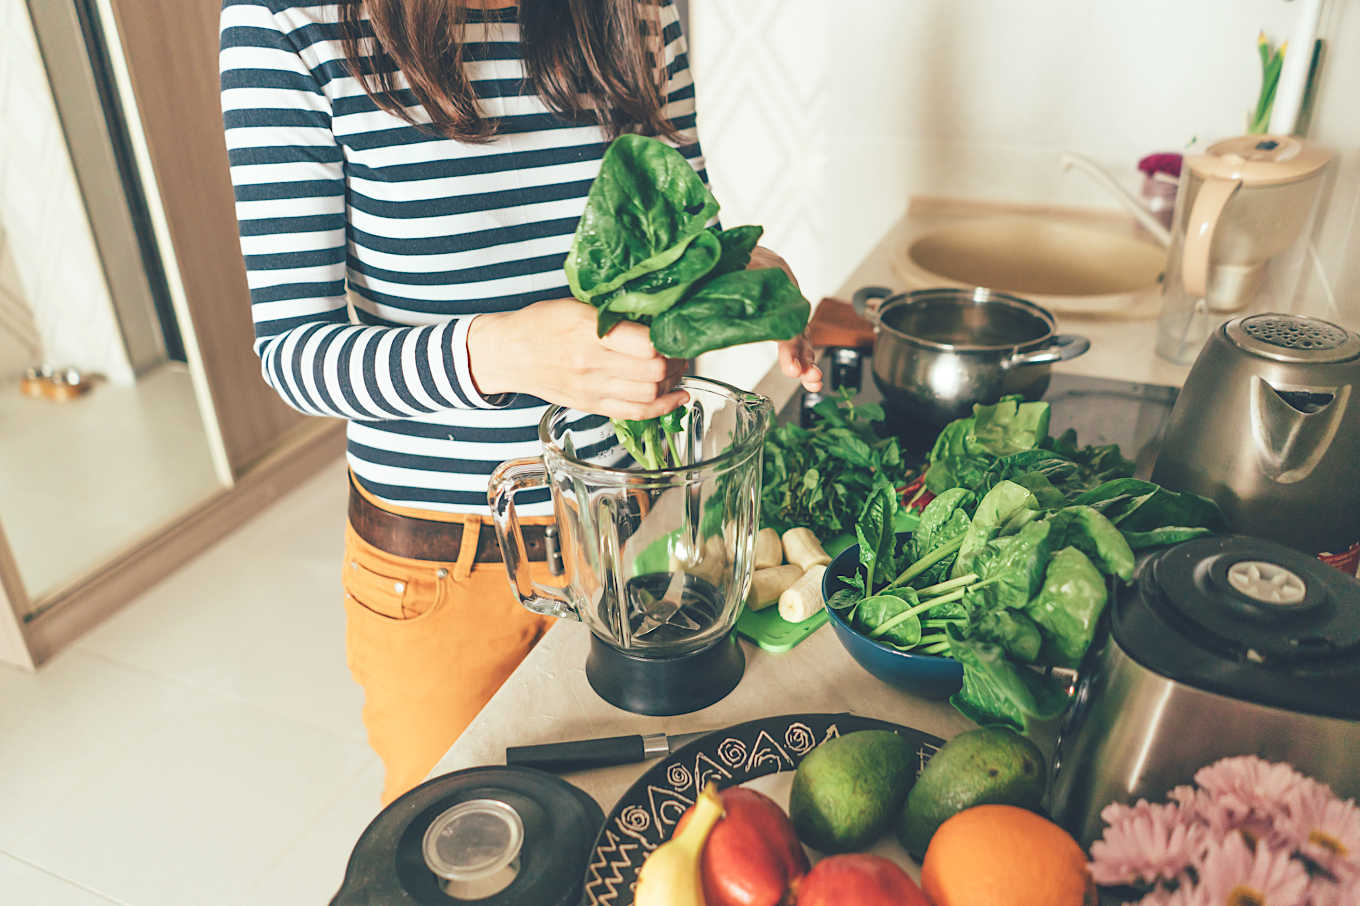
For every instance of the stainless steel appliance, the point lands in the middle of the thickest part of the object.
(1238, 245)
(939, 351)
(1268, 426)
(1224, 645)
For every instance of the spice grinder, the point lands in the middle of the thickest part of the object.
(657, 563)
(1223, 645)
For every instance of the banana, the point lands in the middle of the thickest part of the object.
(670, 875)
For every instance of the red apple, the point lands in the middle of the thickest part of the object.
(752, 855)
(858, 879)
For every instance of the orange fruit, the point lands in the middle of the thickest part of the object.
(1000, 855)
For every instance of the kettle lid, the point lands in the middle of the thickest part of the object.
(1247, 618)
(1293, 338)
(1260, 160)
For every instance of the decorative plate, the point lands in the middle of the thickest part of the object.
(644, 816)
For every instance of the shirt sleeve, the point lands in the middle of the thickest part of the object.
(288, 174)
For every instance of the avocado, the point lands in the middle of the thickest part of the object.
(848, 790)
(988, 766)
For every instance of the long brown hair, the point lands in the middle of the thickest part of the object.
(592, 61)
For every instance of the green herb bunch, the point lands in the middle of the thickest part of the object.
(643, 251)
(1010, 567)
(818, 477)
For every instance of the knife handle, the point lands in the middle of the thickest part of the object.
(580, 755)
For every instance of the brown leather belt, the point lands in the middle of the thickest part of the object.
(428, 539)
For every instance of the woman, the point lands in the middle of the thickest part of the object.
(432, 157)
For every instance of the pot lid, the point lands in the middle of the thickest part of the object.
(500, 836)
(1260, 160)
(1247, 618)
(1293, 338)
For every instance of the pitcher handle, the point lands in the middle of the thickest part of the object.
(509, 479)
(1061, 348)
(1199, 233)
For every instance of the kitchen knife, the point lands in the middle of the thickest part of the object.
(587, 754)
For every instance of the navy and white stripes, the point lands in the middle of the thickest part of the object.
(370, 244)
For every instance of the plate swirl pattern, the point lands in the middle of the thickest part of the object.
(645, 815)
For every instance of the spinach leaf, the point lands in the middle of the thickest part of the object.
(1086, 529)
(874, 529)
(1012, 567)
(644, 208)
(1011, 629)
(658, 290)
(1001, 504)
(740, 307)
(1068, 607)
(1149, 515)
(1010, 426)
(885, 618)
(737, 243)
(952, 463)
(944, 519)
(996, 691)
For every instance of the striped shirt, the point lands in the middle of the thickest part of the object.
(370, 244)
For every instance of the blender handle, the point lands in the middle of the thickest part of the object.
(509, 479)
(1213, 196)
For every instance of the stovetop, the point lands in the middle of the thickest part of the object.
(1100, 410)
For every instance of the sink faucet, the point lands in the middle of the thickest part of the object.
(1070, 159)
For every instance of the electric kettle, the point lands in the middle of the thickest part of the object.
(1243, 206)
(1223, 645)
(1268, 427)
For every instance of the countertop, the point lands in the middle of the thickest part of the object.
(548, 699)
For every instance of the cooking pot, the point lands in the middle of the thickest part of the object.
(939, 351)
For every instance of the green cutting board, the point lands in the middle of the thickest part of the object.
(774, 633)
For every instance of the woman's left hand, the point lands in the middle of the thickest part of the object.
(797, 358)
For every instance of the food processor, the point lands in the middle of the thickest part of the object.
(1237, 247)
(657, 563)
(1224, 645)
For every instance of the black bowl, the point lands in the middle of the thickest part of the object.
(926, 675)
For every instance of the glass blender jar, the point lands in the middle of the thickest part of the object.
(657, 563)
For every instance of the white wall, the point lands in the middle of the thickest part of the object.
(50, 249)
(821, 119)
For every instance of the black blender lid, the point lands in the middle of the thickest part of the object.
(1247, 618)
(468, 826)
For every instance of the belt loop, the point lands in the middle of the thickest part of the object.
(467, 550)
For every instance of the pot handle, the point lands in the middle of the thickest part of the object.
(1059, 349)
(509, 479)
(860, 300)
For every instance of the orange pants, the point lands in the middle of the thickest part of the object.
(429, 643)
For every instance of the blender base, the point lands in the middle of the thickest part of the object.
(664, 686)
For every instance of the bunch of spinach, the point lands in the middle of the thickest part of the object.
(1011, 565)
(643, 251)
(819, 477)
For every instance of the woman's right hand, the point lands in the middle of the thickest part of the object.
(550, 350)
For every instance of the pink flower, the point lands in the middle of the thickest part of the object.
(1246, 793)
(1334, 893)
(1324, 828)
(1144, 843)
(1232, 874)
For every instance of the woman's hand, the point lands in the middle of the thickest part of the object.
(797, 358)
(549, 350)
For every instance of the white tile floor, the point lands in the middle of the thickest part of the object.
(204, 745)
(121, 460)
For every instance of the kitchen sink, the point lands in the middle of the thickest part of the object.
(1061, 262)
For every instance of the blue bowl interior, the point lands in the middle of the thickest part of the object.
(927, 675)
